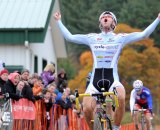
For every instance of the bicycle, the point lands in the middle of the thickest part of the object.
(143, 119)
(102, 120)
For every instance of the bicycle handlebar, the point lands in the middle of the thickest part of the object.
(96, 94)
(114, 93)
(140, 110)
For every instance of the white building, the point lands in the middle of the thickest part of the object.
(29, 37)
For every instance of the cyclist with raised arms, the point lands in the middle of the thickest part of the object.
(141, 98)
(106, 48)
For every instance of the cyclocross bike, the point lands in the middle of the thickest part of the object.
(102, 120)
(143, 119)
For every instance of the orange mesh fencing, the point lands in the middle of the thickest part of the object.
(60, 119)
(66, 120)
(40, 121)
(23, 124)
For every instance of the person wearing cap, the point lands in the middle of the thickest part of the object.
(141, 98)
(3, 78)
(106, 47)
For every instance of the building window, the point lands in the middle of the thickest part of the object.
(44, 63)
(35, 64)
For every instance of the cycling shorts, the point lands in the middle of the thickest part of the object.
(103, 78)
(144, 106)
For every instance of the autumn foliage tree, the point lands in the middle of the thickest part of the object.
(140, 60)
(79, 82)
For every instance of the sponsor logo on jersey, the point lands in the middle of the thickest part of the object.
(110, 40)
(108, 56)
(99, 56)
(97, 47)
(108, 61)
(99, 39)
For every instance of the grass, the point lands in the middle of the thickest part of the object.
(127, 119)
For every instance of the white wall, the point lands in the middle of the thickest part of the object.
(44, 50)
(12, 54)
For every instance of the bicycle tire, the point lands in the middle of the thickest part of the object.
(97, 123)
(109, 123)
(143, 123)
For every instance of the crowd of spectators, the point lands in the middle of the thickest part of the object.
(47, 88)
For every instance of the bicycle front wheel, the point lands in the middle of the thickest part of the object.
(97, 123)
(143, 123)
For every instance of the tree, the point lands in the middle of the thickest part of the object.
(140, 14)
(79, 82)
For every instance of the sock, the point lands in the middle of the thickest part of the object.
(115, 127)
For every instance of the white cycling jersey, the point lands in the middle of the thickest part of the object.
(106, 48)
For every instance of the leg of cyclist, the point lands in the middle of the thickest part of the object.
(135, 116)
(135, 120)
(110, 109)
(89, 104)
(148, 120)
(119, 112)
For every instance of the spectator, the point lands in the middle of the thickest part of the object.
(3, 78)
(34, 93)
(48, 105)
(48, 74)
(52, 87)
(64, 102)
(38, 86)
(61, 80)
(33, 79)
(20, 86)
(13, 80)
(25, 74)
(28, 93)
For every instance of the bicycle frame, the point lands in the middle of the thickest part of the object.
(104, 118)
(142, 118)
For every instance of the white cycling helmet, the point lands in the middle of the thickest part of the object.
(110, 13)
(137, 85)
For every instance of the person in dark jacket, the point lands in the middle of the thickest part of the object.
(3, 78)
(65, 103)
(48, 104)
(10, 86)
(61, 80)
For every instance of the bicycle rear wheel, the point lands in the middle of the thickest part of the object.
(97, 123)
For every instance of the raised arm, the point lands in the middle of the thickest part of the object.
(77, 38)
(136, 36)
(132, 100)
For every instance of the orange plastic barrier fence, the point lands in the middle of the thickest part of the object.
(66, 120)
(128, 127)
(23, 125)
(60, 119)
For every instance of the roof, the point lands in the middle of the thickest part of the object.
(22, 20)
